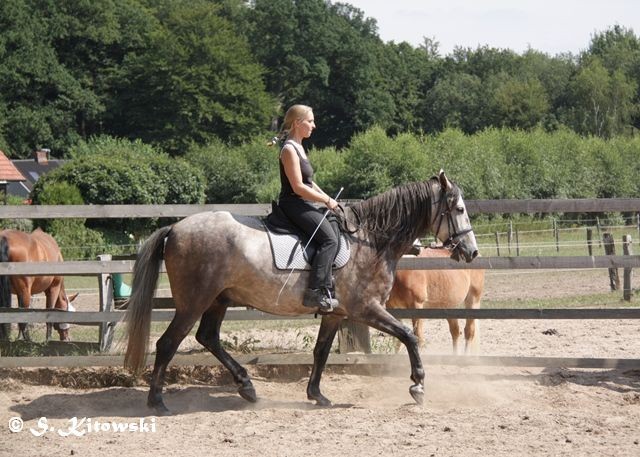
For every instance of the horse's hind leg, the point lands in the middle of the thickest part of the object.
(23, 328)
(166, 348)
(209, 336)
(53, 291)
(471, 329)
(326, 335)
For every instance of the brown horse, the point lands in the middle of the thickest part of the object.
(38, 246)
(419, 289)
(215, 260)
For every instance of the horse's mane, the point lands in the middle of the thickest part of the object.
(394, 219)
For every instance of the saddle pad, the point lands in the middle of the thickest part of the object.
(288, 252)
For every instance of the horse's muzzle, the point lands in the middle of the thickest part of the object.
(459, 253)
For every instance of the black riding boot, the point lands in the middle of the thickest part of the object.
(321, 299)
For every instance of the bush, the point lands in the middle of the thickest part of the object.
(76, 241)
(240, 174)
(374, 163)
(112, 171)
(26, 225)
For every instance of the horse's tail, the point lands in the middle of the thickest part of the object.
(5, 287)
(138, 316)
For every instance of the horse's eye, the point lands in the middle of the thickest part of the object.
(460, 209)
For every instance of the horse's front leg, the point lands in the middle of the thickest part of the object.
(328, 328)
(377, 317)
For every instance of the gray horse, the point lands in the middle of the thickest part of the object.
(215, 260)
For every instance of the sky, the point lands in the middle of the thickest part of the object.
(551, 26)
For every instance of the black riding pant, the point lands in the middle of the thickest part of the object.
(307, 217)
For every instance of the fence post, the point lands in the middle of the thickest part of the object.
(610, 249)
(105, 287)
(353, 337)
(556, 234)
(626, 249)
(517, 244)
(590, 241)
(497, 244)
(510, 237)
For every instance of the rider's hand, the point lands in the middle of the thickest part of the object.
(331, 203)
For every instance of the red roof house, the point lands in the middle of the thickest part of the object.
(8, 173)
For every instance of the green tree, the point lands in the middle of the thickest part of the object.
(196, 81)
(457, 100)
(619, 50)
(408, 74)
(35, 89)
(554, 73)
(324, 55)
(515, 102)
(603, 101)
(56, 59)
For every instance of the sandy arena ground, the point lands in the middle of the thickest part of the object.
(489, 411)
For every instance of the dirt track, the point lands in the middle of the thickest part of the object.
(489, 411)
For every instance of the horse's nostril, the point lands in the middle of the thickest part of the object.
(474, 254)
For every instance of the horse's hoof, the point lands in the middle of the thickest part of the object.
(160, 409)
(248, 393)
(417, 392)
(323, 402)
(320, 400)
(158, 406)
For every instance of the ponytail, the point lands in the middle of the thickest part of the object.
(279, 138)
(294, 112)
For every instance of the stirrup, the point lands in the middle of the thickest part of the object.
(321, 299)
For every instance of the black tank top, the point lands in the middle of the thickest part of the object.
(306, 170)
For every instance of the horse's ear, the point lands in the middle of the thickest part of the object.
(73, 297)
(444, 181)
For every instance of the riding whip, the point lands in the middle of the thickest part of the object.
(304, 249)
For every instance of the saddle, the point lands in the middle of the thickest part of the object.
(288, 242)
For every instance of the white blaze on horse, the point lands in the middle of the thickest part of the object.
(215, 260)
(420, 289)
(37, 246)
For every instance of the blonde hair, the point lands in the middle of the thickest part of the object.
(294, 113)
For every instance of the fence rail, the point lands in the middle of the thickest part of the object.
(31, 316)
(94, 267)
(107, 316)
(580, 205)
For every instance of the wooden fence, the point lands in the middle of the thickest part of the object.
(106, 317)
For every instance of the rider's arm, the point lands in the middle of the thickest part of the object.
(291, 164)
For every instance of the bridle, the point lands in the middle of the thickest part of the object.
(445, 211)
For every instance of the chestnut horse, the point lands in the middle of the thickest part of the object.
(215, 260)
(38, 246)
(418, 289)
